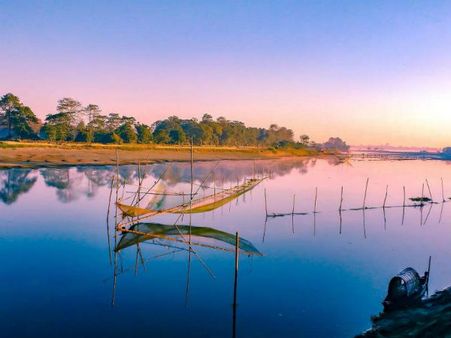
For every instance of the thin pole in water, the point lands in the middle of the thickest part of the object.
(191, 191)
(404, 199)
(385, 198)
(341, 200)
(422, 195)
(235, 283)
(429, 189)
(316, 200)
(266, 204)
(443, 191)
(366, 190)
(294, 201)
(429, 273)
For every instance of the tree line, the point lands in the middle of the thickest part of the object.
(73, 122)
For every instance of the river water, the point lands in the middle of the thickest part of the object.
(319, 275)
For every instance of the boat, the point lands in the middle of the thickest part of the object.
(199, 205)
(406, 289)
(144, 231)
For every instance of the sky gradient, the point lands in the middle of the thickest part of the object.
(371, 72)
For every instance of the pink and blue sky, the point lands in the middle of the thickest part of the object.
(371, 72)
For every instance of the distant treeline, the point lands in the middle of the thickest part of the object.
(74, 122)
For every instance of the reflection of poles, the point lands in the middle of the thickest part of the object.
(427, 215)
(427, 278)
(191, 191)
(364, 223)
(292, 213)
(235, 283)
(314, 224)
(113, 296)
(108, 221)
(385, 219)
(188, 274)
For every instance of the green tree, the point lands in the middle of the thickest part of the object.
(18, 119)
(127, 133)
(144, 133)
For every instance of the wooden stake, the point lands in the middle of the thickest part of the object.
(341, 200)
(386, 195)
(316, 200)
(366, 190)
(404, 199)
(429, 188)
(422, 195)
(294, 201)
(266, 204)
(443, 191)
(237, 258)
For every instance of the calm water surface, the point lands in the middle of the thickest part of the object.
(316, 278)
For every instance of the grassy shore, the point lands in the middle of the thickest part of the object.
(38, 154)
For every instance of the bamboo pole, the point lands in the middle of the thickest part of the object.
(108, 220)
(191, 191)
(237, 259)
(443, 191)
(422, 195)
(429, 189)
(266, 204)
(385, 198)
(139, 185)
(404, 197)
(294, 201)
(316, 200)
(341, 200)
(366, 190)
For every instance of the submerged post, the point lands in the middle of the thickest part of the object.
(266, 205)
(316, 200)
(385, 198)
(364, 196)
(341, 200)
(422, 195)
(235, 283)
(404, 194)
(429, 189)
(237, 257)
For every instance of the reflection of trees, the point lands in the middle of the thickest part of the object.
(97, 177)
(69, 181)
(228, 171)
(67, 184)
(13, 183)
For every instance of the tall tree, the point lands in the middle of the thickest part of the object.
(17, 118)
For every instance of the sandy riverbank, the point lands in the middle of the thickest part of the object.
(37, 154)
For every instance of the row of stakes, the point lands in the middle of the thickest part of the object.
(422, 201)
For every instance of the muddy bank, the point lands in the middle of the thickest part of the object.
(21, 156)
(432, 318)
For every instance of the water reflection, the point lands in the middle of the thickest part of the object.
(312, 264)
(15, 182)
(69, 182)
